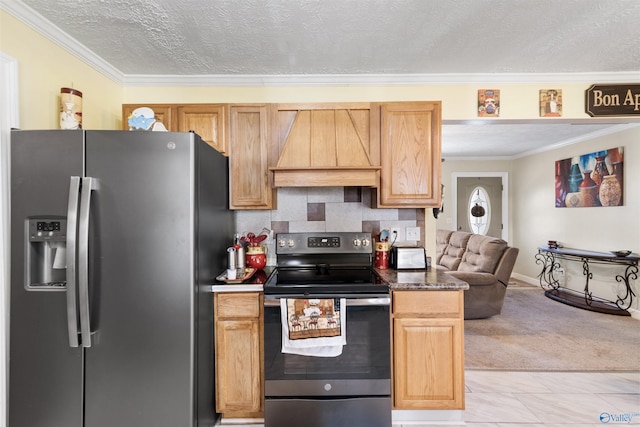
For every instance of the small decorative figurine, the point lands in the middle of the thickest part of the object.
(144, 118)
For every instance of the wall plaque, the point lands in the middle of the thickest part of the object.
(613, 100)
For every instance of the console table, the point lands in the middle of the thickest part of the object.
(549, 257)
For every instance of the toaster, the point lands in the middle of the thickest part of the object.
(408, 258)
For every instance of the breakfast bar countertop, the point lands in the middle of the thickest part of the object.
(425, 280)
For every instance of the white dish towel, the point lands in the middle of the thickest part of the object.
(316, 347)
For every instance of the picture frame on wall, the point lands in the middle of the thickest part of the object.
(488, 102)
(550, 102)
(591, 180)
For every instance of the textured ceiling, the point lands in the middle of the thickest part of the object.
(364, 38)
(354, 36)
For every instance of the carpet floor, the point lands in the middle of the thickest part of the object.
(535, 333)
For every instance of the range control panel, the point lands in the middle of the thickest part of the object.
(323, 242)
(318, 243)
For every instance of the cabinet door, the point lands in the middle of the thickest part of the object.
(410, 155)
(164, 113)
(428, 363)
(249, 146)
(207, 120)
(238, 366)
(238, 355)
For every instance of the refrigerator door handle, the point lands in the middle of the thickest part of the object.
(72, 227)
(88, 185)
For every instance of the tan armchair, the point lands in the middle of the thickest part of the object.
(484, 262)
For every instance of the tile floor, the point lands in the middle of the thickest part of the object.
(576, 399)
(545, 399)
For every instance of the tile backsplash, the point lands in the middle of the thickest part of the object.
(328, 209)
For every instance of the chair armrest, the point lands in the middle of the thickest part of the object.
(474, 278)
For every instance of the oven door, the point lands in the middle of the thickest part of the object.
(362, 370)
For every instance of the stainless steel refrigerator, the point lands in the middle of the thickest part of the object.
(116, 237)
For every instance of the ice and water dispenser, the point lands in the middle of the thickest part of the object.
(46, 246)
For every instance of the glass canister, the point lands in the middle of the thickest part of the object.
(70, 108)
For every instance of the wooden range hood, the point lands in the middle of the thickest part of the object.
(323, 145)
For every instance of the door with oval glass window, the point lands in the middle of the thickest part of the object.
(479, 202)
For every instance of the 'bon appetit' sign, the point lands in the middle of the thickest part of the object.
(613, 100)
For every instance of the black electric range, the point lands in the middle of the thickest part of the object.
(338, 263)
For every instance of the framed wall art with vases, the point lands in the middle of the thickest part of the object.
(590, 180)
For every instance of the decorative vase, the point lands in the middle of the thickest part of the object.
(589, 190)
(575, 176)
(561, 184)
(610, 191)
(256, 257)
(617, 171)
(600, 170)
(70, 108)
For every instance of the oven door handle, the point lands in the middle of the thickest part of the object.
(351, 302)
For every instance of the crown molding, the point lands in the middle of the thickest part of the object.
(377, 79)
(45, 27)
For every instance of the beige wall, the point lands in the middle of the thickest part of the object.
(43, 68)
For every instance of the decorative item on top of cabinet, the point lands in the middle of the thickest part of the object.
(164, 114)
(428, 349)
(239, 354)
(326, 144)
(410, 152)
(249, 157)
(209, 121)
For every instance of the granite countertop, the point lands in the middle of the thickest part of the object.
(253, 284)
(429, 280)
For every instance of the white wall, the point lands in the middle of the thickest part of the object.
(536, 219)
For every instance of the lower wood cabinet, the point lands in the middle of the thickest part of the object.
(428, 350)
(238, 354)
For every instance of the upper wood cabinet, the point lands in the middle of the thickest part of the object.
(410, 148)
(249, 157)
(207, 120)
(330, 144)
(395, 147)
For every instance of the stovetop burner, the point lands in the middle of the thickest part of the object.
(323, 264)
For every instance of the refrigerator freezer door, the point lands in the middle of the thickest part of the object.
(45, 373)
(140, 367)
